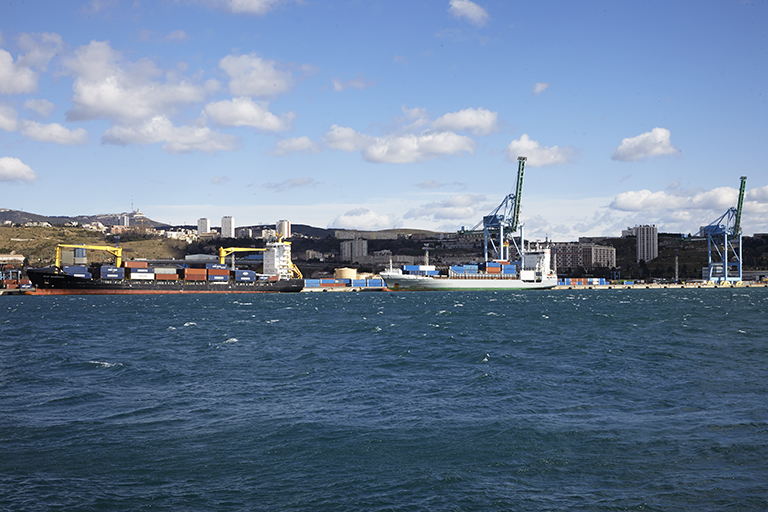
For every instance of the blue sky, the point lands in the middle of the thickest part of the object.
(379, 114)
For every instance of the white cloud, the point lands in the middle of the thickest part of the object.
(364, 219)
(13, 169)
(479, 121)
(414, 148)
(539, 156)
(456, 207)
(295, 145)
(469, 10)
(540, 87)
(14, 78)
(246, 112)
(108, 87)
(177, 35)
(654, 143)
(219, 180)
(253, 76)
(8, 118)
(346, 139)
(177, 139)
(355, 83)
(53, 132)
(291, 184)
(717, 199)
(20, 77)
(41, 106)
(757, 194)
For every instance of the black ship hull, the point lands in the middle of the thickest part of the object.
(53, 281)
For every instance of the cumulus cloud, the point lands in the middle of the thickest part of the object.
(717, 199)
(41, 106)
(246, 112)
(292, 184)
(355, 83)
(106, 86)
(538, 155)
(13, 169)
(470, 10)
(654, 143)
(8, 118)
(251, 75)
(346, 139)
(540, 87)
(53, 132)
(364, 219)
(15, 78)
(177, 139)
(479, 121)
(295, 145)
(413, 148)
(456, 207)
(20, 77)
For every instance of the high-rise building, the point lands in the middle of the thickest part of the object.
(203, 226)
(227, 227)
(353, 249)
(647, 243)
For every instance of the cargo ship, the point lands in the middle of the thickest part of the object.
(138, 277)
(531, 271)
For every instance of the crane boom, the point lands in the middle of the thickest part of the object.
(518, 192)
(117, 252)
(737, 224)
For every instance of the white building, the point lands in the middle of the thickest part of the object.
(227, 227)
(647, 243)
(203, 226)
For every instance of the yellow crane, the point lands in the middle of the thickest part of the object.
(117, 252)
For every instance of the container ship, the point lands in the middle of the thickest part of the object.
(532, 270)
(138, 277)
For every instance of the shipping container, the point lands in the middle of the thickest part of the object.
(358, 282)
(142, 271)
(142, 277)
(135, 264)
(216, 266)
(75, 269)
(375, 282)
(216, 277)
(167, 277)
(218, 272)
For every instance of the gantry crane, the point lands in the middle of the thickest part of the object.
(499, 225)
(117, 252)
(724, 236)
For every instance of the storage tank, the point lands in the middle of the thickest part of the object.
(345, 273)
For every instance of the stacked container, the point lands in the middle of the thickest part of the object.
(108, 272)
(166, 274)
(142, 274)
(245, 276)
(77, 271)
(195, 274)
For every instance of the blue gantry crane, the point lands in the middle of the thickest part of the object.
(499, 225)
(724, 243)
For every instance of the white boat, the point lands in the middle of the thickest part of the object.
(532, 271)
(536, 274)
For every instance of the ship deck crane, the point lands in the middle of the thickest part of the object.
(724, 242)
(500, 225)
(224, 252)
(117, 252)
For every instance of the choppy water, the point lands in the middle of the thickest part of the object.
(562, 400)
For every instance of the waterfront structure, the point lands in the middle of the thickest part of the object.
(227, 227)
(647, 242)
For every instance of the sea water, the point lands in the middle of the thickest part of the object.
(550, 400)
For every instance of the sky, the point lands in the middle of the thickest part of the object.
(376, 114)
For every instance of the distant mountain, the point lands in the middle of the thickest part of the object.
(108, 219)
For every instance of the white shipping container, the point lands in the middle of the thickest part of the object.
(142, 277)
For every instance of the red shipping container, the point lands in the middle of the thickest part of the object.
(167, 277)
(135, 264)
(218, 271)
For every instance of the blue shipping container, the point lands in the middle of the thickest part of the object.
(218, 278)
(375, 282)
(75, 269)
(215, 266)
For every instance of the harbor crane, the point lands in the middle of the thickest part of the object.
(500, 225)
(724, 243)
